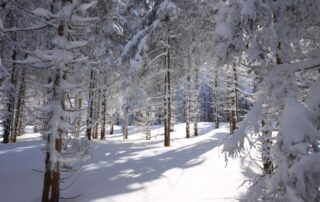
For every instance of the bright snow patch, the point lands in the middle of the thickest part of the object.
(191, 170)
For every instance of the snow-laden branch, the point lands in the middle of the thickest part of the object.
(235, 142)
(296, 67)
(137, 40)
(31, 28)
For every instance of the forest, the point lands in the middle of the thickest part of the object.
(160, 100)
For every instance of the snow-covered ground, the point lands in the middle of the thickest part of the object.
(191, 170)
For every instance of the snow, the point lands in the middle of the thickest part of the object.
(130, 170)
(86, 6)
(42, 12)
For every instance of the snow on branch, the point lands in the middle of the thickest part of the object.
(235, 142)
(298, 66)
(140, 38)
(137, 40)
(31, 28)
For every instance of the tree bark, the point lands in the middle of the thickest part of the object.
(90, 107)
(111, 125)
(47, 175)
(216, 99)
(55, 187)
(97, 115)
(104, 110)
(266, 149)
(234, 101)
(167, 92)
(17, 125)
(197, 71)
(78, 119)
(51, 190)
(8, 127)
(187, 107)
(148, 125)
(125, 124)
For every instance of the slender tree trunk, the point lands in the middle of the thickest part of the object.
(111, 125)
(90, 107)
(10, 104)
(266, 132)
(187, 107)
(104, 110)
(278, 57)
(216, 99)
(172, 117)
(97, 115)
(47, 179)
(197, 71)
(55, 188)
(168, 98)
(148, 125)
(234, 101)
(18, 109)
(47, 176)
(78, 119)
(266, 149)
(187, 124)
(51, 184)
(125, 124)
(51, 187)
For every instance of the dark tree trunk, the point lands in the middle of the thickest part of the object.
(266, 149)
(197, 71)
(18, 126)
(148, 125)
(104, 110)
(47, 176)
(51, 185)
(234, 101)
(168, 113)
(111, 126)
(216, 100)
(167, 93)
(78, 119)
(187, 107)
(125, 124)
(97, 115)
(8, 127)
(90, 107)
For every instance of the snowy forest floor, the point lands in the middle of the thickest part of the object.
(191, 170)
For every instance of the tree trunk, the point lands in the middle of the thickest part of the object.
(55, 188)
(148, 125)
(187, 107)
(111, 125)
(51, 184)
(196, 101)
(167, 92)
(266, 149)
(104, 110)
(47, 176)
(7, 132)
(17, 125)
(90, 107)
(187, 127)
(97, 115)
(234, 101)
(51, 190)
(216, 99)
(78, 119)
(125, 124)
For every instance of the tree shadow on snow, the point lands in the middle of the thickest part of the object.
(119, 168)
